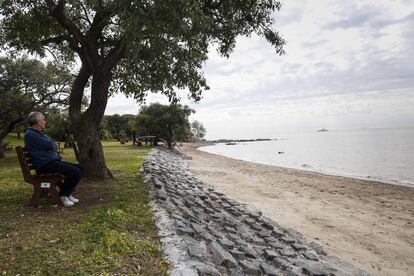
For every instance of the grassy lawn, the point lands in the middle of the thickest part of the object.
(111, 231)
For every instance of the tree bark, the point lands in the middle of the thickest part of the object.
(91, 154)
(1, 150)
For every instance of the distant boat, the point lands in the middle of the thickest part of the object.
(322, 130)
(231, 144)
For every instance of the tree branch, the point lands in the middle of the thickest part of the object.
(85, 12)
(114, 55)
(58, 12)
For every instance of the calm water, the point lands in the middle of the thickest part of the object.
(380, 154)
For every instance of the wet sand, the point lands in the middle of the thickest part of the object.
(366, 223)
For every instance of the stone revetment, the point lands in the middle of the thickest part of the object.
(203, 232)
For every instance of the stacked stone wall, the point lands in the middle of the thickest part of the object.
(206, 233)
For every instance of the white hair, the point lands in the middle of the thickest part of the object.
(34, 117)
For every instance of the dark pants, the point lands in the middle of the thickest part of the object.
(72, 172)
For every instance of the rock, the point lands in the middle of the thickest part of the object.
(235, 272)
(250, 268)
(230, 230)
(221, 256)
(198, 250)
(269, 270)
(197, 228)
(237, 254)
(292, 271)
(236, 213)
(319, 249)
(268, 225)
(256, 226)
(255, 215)
(314, 268)
(226, 244)
(162, 195)
(270, 240)
(299, 247)
(158, 184)
(264, 234)
(288, 239)
(279, 263)
(213, 230)
(287, 252)
(249, 252)
(185, 231)
(257, 241)
(207, 270)
(310, 256)
(249, 221)
(270, 254)
(276, 245)
(207, 237)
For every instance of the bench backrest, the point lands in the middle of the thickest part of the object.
(25, 163)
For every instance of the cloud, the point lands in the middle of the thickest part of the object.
(347, 64)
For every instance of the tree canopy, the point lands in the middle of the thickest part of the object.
(198, 130)
(58, 125)
(133, 47)
(156, 45)
(119, 124)
(167, 122)
(27, 85)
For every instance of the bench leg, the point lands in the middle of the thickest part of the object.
(37, 191)
(55, 195)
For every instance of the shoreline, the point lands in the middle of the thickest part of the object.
(367, 223)
(356, 177)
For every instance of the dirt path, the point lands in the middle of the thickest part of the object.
(369, 224)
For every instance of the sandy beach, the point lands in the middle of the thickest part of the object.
(366, 223)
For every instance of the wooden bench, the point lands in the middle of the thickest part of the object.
(7, 147)
(43, 184)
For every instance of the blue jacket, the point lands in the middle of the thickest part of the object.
(42, 149)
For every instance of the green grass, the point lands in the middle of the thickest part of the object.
(13, 140)
(111, 231)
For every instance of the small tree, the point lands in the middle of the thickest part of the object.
(119, 123)
(198, 130)
(27, 85)
(168, 122)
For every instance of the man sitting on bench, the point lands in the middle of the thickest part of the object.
(45, 158)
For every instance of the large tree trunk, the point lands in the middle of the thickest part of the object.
(91, 154)
(1, 150)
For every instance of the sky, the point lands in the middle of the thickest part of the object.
(348, 65)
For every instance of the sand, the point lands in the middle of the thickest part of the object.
(366, 223)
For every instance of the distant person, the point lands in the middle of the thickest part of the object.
(45, 158)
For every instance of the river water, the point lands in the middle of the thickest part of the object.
(385, 155)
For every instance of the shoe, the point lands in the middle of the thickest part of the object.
(66, 201)
(73, 199)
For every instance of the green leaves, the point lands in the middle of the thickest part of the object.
(157, 46)
(26, 85)
(168, 122)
